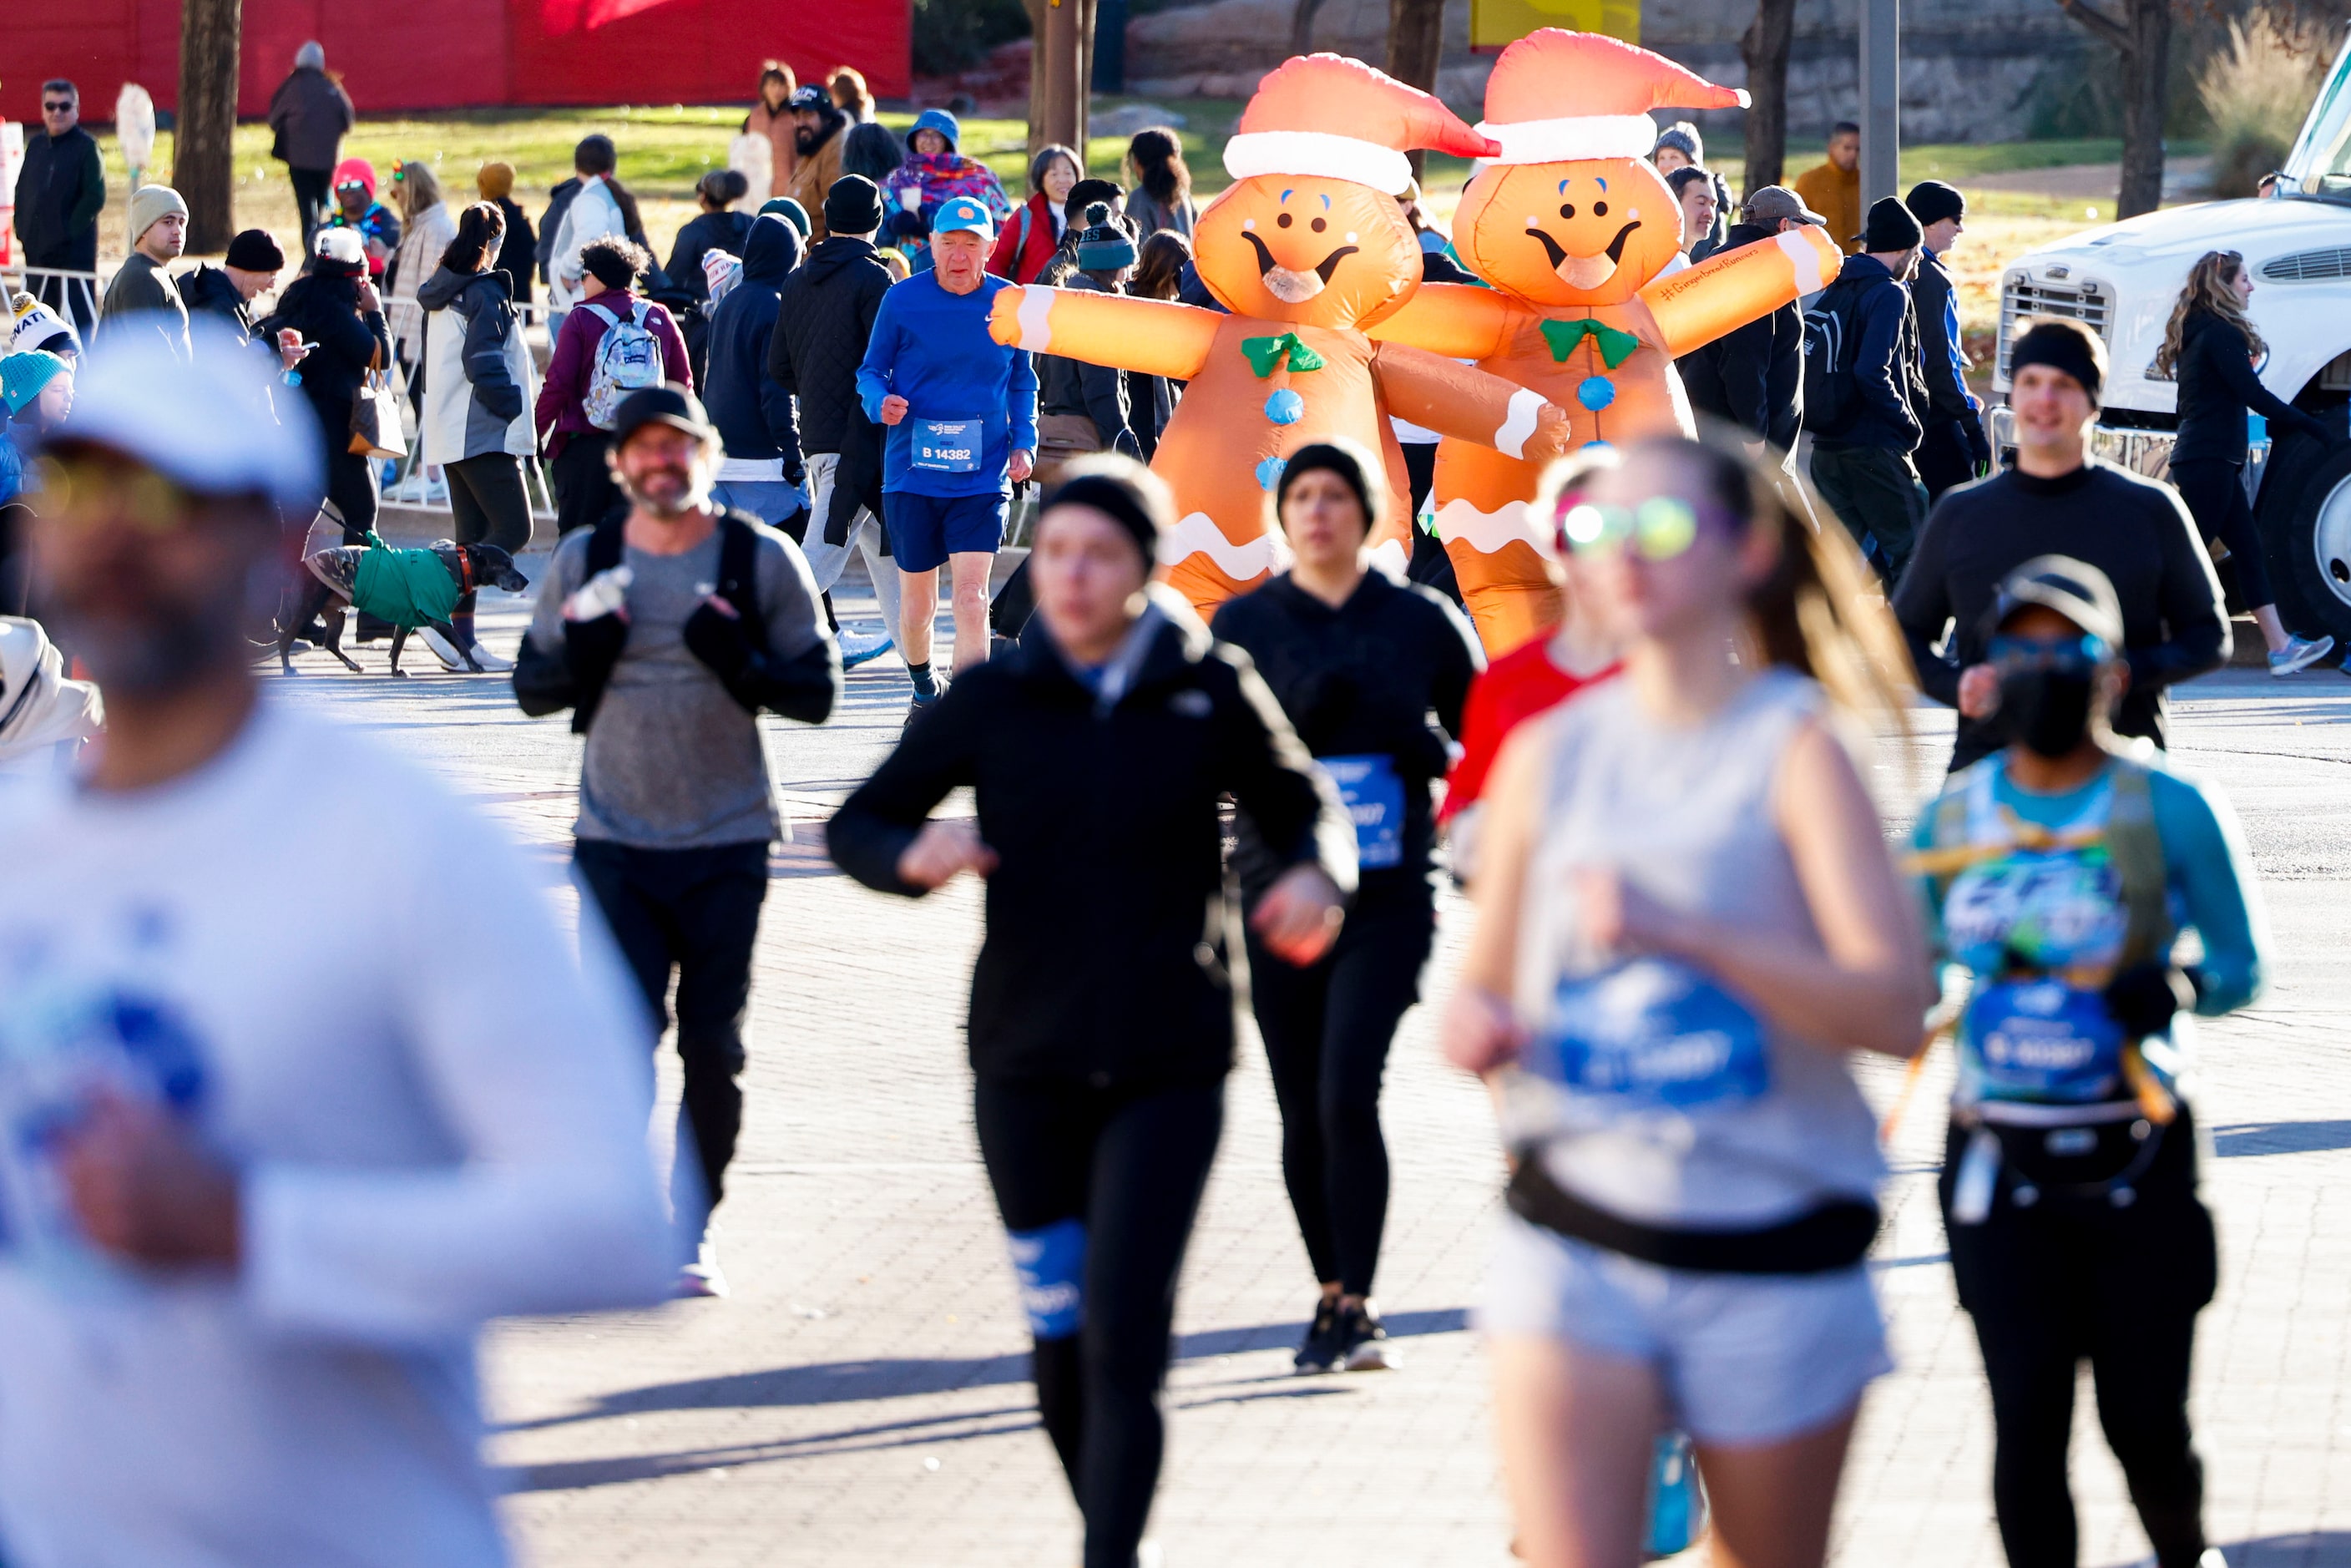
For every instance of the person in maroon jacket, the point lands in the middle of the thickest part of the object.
(576, 447)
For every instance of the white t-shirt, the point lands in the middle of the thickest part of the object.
(350, 985)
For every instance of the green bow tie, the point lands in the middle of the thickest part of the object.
(1615, 347)
(1264, 353)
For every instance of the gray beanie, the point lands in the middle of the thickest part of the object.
(1683, 137)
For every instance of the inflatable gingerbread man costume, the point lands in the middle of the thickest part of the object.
(1306, 248)
(1575, 230)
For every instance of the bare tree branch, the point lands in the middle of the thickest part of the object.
(2104, 27)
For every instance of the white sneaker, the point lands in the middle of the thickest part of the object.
(489, 661)
(702, 1276)
(2298, 656)
(442, 649)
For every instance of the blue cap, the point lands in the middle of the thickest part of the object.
(964, 212)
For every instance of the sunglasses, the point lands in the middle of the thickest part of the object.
(1658, 529)
(86, 490)
(2072, 655)
(57, 108)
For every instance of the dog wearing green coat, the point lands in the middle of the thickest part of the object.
(408, 588)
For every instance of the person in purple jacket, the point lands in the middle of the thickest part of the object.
(577, 447)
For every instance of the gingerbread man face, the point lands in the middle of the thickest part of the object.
(1588, 230)
(1309, 250)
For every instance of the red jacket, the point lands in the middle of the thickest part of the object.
(1021, 262)
(562, 410)
(1522, 684)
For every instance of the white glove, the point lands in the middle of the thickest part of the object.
(606, 594)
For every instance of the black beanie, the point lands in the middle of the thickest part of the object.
(853, 205)
(2066, 346)
(255, 251)
(1363, 475)
(1931, 201)
(1890, 227)
(1125, 503)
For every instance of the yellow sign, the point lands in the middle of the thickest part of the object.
(1494, 23)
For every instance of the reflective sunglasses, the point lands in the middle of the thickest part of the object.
(88, 490)
(1659, 528)
(2070, 656)
(65, 108)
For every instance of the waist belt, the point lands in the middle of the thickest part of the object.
(1835, 1235)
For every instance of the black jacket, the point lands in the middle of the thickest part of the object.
(518, 252)
(2217, 385)
(2135, 530)
(706, 232)
(751, 409)
(823, 322)
(326, 311)
(1752, 377)
(1096, 391)
(1359, 680)
(1891, 393)
(60, 189)
(1104, 961)
(207, 290)
(1930, 305)
(307, 116)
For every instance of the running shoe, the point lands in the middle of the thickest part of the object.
(859, 647)
(2299, 654)
(442, 649)
(1363, 1343)
(702, 1277)
(1320, 1349)
(922, 704)
(487, 660)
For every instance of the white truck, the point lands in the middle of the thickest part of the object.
(2122, 282)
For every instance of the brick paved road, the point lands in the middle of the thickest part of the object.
(862, 1397)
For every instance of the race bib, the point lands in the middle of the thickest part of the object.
(1654, 1031)
(1373, 796)
(2042, 1039)
(948, 445)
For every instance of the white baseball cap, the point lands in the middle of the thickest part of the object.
(220, 425)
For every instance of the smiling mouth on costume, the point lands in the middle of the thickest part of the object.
(1295, 287)
(1584, 271)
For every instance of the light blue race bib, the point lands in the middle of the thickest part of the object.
(2044, 1040)
(1374, 795)
(1654, 1031)
(948, 445)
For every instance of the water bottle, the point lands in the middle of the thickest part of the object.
(1676, 1499)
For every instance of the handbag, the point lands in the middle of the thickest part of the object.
(375, 415)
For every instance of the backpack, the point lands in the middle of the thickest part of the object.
(627, 359)
(1832, 392)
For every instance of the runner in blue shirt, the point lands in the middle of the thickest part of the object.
(2058, 874)
(962, 412)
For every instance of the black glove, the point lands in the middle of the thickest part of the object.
(592, 647)
(718, 639)
(1979, 446)
(2143, 997)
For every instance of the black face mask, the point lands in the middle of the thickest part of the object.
(2047, 710)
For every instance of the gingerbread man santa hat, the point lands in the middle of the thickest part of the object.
(1557, 97)
(1284, 129)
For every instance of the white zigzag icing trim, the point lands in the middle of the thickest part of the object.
(1197, 534)
(1807, 260)
(1486, 532)
(1526, 408)
(1036, 317)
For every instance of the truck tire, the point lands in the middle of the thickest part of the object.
(2304, 518)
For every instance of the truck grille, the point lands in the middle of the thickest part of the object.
(2309, 266)
(2024, 299)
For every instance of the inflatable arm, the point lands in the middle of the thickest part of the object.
(1454, 399)
(1152, 337)
(1459, 320)
(1698, 305)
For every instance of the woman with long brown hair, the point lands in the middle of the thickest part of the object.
(2210, 349)
(1687, 921)
(847, 84)
(1162, 197)
(771, 117)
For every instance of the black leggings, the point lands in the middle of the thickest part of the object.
(350, 485)
(1327, 1028)
(699, 910)
(2215, 494)
(489, 506)
(2069, 1278)
(1127, 1166)
(584, 492)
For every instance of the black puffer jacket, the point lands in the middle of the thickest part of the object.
(325, 309)
(1107, 913)
(1752, 376)
(822, 323)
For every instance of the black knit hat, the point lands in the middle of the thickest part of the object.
(1890, 227)
(1358, 468)
(853, 205)
(255, 251)
(1931, 201)
(1100, 485)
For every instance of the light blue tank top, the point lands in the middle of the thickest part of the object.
(1651, 1091)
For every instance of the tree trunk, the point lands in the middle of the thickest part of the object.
(1060, 55)
(2142, 38)
(1764, 47)
(1416, 44)
(1301, 26)
(203, 165)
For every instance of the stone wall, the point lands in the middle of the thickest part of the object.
(1969, 67)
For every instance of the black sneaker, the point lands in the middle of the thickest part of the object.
(1362, 1343)
(1321, 1347)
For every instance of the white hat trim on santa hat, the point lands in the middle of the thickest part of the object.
(1573, 137)
(1318, 152)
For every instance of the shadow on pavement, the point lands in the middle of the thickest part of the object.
(2318, 1549)
(2238, 1139)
